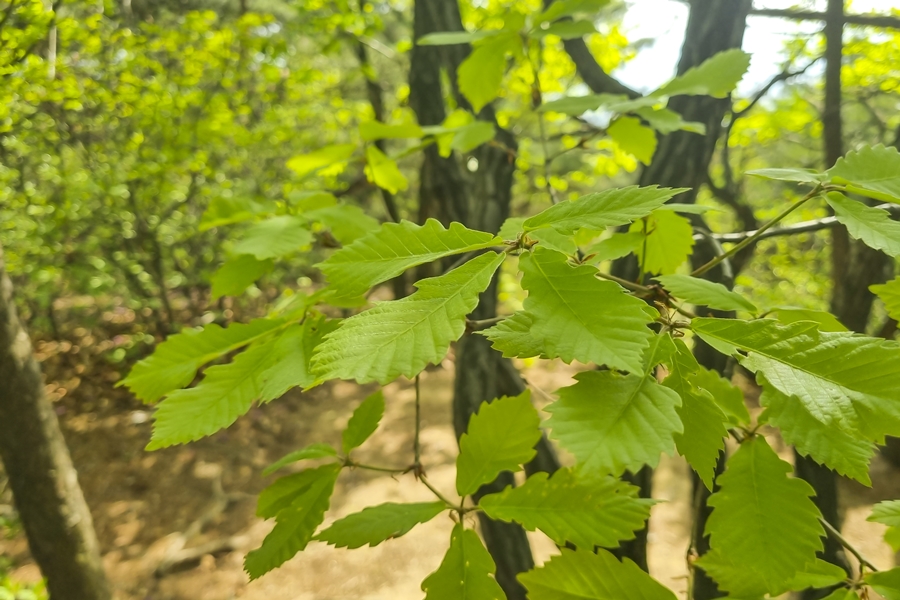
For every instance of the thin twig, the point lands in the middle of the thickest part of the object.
(482, 323)
(416, 447)
(393, 470)
(750, 240)
(833, 532)
(435, 491)
(628, 285)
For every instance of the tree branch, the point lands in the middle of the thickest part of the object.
(883, 21)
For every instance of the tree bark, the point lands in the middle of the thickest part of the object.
(44, 483)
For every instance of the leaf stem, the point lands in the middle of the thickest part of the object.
(757, 234)
(393, 470)
(437, 493)
(833, 532)
(482, 323)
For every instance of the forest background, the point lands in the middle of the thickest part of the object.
(141, 141)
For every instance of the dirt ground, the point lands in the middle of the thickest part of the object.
(143, 502)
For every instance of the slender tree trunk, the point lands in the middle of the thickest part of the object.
(682, 160)
(45, 487)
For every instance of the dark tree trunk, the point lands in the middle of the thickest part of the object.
(682, 160)
(43, 481)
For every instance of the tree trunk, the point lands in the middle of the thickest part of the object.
(682, 160)
(43, 481)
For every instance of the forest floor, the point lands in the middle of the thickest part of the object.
(150, 506)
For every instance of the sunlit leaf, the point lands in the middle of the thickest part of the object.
(466, 573)
(376, 524)
(634, 138)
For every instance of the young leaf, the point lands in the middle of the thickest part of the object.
(764, 528)
(364, 422)
(615, 246)
(888, 513)
(325, 157)
(579, 317)
(727, 397)
(885, 583)
(873, 226)
(465, 573)
(402, 337)
(717, 76)
(294, 349)
(512, 336)
(394, 248)
(603, 209)
(501, 437)
(370, 131)
(481, 74)
(668, 241)
(587, 512)
(174, 363)
(889, 293)
(586, 575)
(634, 138)
(237, 274)
(837, 448)
(383, 171)
(824, 320)
(226, 392)
(295, 523)
(872, 171)
(312, 451)
(275, 237)
(613, 423)
(795, 175)
(702, 292)
(830, 373)
(704, 432)
(376, 524)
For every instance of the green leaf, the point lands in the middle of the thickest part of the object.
(873, 226)
(468, 137)
(284, 490)
(325, 157)
(449, 38)
(889, 293)
(872, 171)
(615, 246)
(704, 432)
(830, 373)
(634, 138)
(818, 574)
(512, 337)
(692, 209)
(237, 274)
(501, 437)
(383, 171)
(888, 513)
(376, 524)
(227, 211)
(834, 447)
(370, 131)
(566, 30)
(174, 362)
(727, 397)
(481, 74)
(824, 320)
(346, 222)
(842, 594)
(702, 292)
(363, 422)
(312, 451)
(567, 8)
(401, 337)
(764, 527)
(669, 240)
(294, 349)
(885, 583)
(295, 523)
(795, 175)
(396, 247)
(666, 121)
(603, 209)
(586, 575)
(615, 103)
(613, 422)
(226, 392)
(587, 512)
(716, 76)
(275, 237)
(465, 573)
(579, 317)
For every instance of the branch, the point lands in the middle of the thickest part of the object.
(883, 21)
